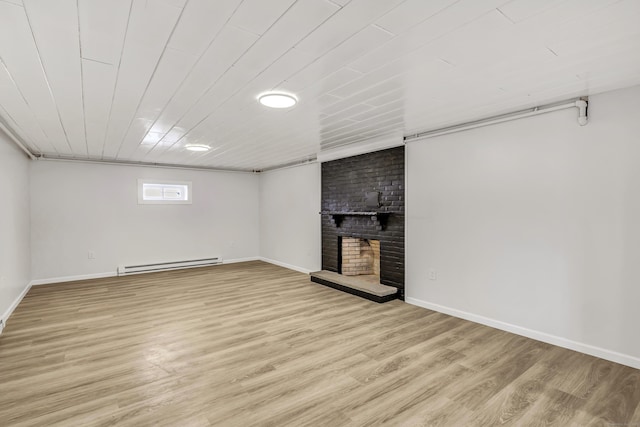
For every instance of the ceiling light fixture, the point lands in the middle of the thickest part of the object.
(277, 100)
(197, 147)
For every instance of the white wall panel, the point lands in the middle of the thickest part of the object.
(15, 250)
(98, 211)
(532, 223)
(289, 216)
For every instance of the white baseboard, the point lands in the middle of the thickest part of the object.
(52, 280)
(14, 305)
(235, 260)
(48, 281)
(602, 353)
(285, 265)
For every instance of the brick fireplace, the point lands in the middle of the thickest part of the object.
(363, 216)
(360, 257)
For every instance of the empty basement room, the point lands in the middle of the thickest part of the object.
(319, 213)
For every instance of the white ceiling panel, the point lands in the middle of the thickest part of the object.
(172, 70)
(318, 86)
(230, 44)
(20, 115)
(483, 41)
(519, 10)
(427, 31)
(150, 26)
(200, 22)
(290, 28)
(357, 45)
(138, 80)
(103, 26)
(618, 24)
(344, 24)
(55, 28)
(22, 60)
(257, 16)
(99, 80)
(411, 13)
(297, 22)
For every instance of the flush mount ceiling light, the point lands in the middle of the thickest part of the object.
(197, 147)
(277, 100)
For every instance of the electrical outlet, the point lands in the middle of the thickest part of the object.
(433, 274)
(91, 255)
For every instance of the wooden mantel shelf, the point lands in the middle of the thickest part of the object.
(338, 216)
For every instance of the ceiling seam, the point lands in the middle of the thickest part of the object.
(15, 84)
(215, 37)
(84, 106)
(115, 84)
(153, 73)
(46, 79)
(258, 74)
(217, 80)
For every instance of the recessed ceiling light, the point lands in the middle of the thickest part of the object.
(277, 100)
(197, 147)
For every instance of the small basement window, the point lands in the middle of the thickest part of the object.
(163, 192)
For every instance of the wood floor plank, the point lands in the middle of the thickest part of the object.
(253, 344)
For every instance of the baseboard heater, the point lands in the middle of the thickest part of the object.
(162, 266)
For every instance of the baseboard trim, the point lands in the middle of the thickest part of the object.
(52, 280)
(613, 356)
(285, 265)
(14, 305)
(235, 260)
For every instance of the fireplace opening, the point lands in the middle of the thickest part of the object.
(358, 270)
(360, 257)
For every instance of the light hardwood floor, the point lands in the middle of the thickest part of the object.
(255, 344)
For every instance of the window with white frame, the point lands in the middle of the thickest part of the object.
(161, 192)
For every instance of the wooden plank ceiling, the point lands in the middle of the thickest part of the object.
(137, 80)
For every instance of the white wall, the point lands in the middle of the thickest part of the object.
(82, 207)
(15, 254)
(289, 217)
(534, 226)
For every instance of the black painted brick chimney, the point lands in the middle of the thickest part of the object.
(344, 184)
